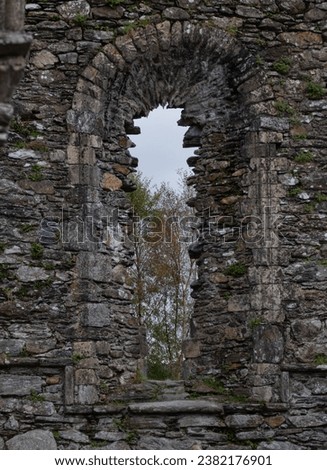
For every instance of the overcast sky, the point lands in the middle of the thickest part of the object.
(159, 147)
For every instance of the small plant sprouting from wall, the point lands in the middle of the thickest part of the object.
(36, 397)
(320, 359)
(37, 251)
(36, 173)
(305, 156)
(283, 108)
(236, 270)
(80, 20)
(282, 66)
(315, 91)
(295, 191)
(24, 129)
(232, 30)
(4, 272)
(114, 3)
(255, 323)
(76, 358)
(320, 197)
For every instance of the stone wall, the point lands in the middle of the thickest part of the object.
(250, 77)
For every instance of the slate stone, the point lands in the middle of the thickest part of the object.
(33, 440)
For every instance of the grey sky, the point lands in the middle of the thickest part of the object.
(159, 147)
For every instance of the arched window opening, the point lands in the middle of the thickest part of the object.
(163, 229)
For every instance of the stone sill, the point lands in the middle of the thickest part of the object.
(178, 407)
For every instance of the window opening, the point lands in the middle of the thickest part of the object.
(163, 230)
(159, 147)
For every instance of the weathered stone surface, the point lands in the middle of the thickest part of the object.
(97, 315)
(70, 10)
(73, 435)
(243, 421)
(31, 274)
(177, 407)
(33, 440)
(105, 12)
(87, 395)
(44, 59)
(191, 348)
(19, 384)
(111, 182)
(175, 13)
(11, 346)
(268, 344)
(278, 445)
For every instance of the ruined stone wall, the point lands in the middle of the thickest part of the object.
(250, 77)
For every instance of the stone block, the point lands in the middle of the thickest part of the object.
(75, 436)
(87, 395)
(33, 440)
(93, 266)
(12, 347)
(96, 315)
(44, 60)
(69, 10)
(111, 182)
(86, 377)
(31, 274)
(191, 349)
(243, 421)
(268, 344)
(19, 385)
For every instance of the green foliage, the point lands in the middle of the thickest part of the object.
(135, 24)
(76, 358)
(216, 385)
(320, 359)
(49, 266)
(236, 270)
(226, 295)
(157, 370)
(132, 437)
(283, 108)
(2, 247)
(320, 197)
(22, 292)
(80, 20)
(114, 3)
(255, 322)
(23, 129)
(315, 91)
(162, 274)
(300, 136)
(282, 66)
(305, 156)
(309, 208)
(232, 30)
(259, 60)
(26, 228)
(4, 272)
(36, 397)
(37, 251)
(36, 173)
(295, 191)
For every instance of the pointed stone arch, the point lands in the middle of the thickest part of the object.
(226, 104)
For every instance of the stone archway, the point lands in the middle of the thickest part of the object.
(217, 83)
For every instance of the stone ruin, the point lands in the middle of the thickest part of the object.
(250, 77)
